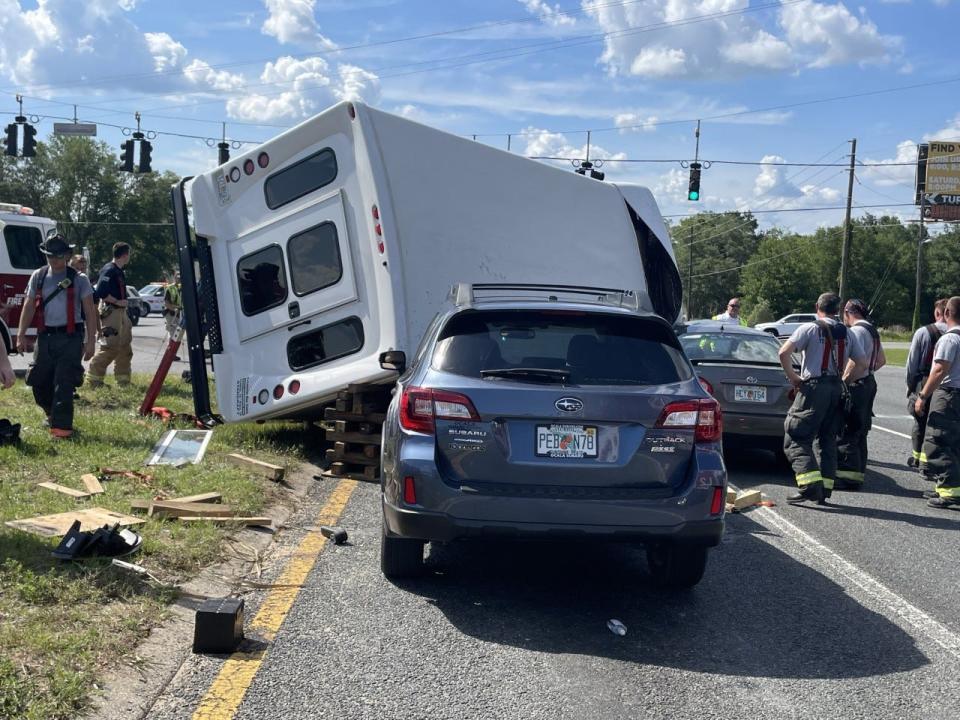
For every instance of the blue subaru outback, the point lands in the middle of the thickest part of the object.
(552, 412)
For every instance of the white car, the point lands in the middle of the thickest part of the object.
(153, 296)
(785, 326)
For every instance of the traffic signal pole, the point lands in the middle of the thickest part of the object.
(847, 227)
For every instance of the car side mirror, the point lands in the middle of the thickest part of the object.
(394, 360)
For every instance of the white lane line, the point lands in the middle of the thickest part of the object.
(894, 417)
(893, 605)
(892, 432)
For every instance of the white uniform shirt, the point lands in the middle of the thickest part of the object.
(948, 350)
(810, 342)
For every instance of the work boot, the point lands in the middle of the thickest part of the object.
(944, 503)
(60, 433)
(808, 493)
(912, 462)
(123, 381)
(93, 382)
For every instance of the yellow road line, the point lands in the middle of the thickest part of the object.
(225, 694)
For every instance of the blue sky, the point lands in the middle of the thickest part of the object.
(535, 69)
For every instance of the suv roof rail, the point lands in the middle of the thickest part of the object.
(467, 293)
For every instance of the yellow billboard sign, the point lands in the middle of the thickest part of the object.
(943, 173)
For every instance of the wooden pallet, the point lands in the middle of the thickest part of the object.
(357, 421)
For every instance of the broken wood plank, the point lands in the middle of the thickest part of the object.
(363, 428)
(201, 497)
(92, 483)
(747, 499)
(341, 472)
(336, 455)
(64, 490)
(376, 418)
(170, 508)
(274, 472)
(253, 521)
(352, 437)
(731, 495)
(58, 524)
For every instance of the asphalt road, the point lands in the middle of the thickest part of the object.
(845, 611)
(149, 342)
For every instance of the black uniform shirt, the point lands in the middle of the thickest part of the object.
(112, 282)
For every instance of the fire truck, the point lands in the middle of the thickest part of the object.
(19, 256)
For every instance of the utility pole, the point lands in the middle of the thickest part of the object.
(690, 275)
(847, 227)
(916, 295)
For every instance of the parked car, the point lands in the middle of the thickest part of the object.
(785, 326)
(153, 295)
(133, 297)
(134, 307)
(741, 368)
(559, 415)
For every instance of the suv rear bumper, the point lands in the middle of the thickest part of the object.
(437, 526)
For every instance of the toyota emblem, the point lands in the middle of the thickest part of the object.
(569, 404)
(751, 379)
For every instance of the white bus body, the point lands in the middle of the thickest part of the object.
(339, 239)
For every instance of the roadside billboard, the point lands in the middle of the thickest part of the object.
(941, 188)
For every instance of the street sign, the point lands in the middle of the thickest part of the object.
(943, 169)
(940, 199)
(81, 129)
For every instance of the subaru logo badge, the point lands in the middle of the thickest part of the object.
(569, 404)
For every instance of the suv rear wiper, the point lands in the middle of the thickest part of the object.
(536, 374)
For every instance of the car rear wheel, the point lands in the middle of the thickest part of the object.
(400, 557)
(676, 566)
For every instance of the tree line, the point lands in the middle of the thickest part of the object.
(76, 182)
(777, 272)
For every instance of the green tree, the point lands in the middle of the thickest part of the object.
(720, 244)
(76, 182)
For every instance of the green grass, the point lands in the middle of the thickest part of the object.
(64, 624)
(896, 356)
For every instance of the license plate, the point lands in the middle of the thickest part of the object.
(750, 393)
(566, 441)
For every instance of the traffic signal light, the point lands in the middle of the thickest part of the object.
(693, 188)
(126, 159)
(29, 140)
(223, 153)
(145, 149)
(11, 140)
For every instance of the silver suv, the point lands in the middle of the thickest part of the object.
(551, 412)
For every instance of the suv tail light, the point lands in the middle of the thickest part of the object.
(702, 416)
(705, 384)
(421, 407)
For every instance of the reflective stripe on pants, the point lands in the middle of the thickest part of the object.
(941, 444)
(810, 429)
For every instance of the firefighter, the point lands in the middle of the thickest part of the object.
(815, 416)
(919, 360)
(862, 386)
(116, 335)
(732, 314)
(56, 295)
(941, 443)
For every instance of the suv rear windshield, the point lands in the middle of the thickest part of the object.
(594, 348)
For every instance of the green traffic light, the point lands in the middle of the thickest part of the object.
(693, 195)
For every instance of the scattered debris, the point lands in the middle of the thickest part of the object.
(737, 502)
(228, 519)
(617, 627)
(337, 534)
(9, 432)
(138, 569)
(172, 508)
(273, 472)
(60, 523)
(106, 541)
(138, 504)
(64, 490)
(107, 473)
(178, 447)
(218, 627)
(92, 483)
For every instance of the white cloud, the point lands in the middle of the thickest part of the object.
(772, 181)
(762, 51)
(543, 143)
(311, 87)
(294, 21)
(167, 52)
(550, 14)
(831, 35)
(200, 73)
(659, 62)
(634, 122)
(810, 34)
(85, 44)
